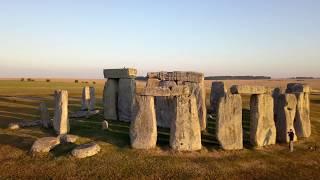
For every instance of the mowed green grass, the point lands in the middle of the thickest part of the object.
(20, 100)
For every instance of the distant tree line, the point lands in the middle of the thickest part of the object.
(302, 77)
(236, 77)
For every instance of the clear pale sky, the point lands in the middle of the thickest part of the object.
(61, 38)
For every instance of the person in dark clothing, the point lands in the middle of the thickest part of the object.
(291, 138)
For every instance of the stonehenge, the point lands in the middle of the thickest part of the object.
(60, 119)
(218, 90)
(118, 94)
(85, 98)
(44, 115)
(229, 122)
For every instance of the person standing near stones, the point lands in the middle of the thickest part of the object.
(291, 138)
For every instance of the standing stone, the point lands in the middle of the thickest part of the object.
(198, 89)
(110, 99)
(165, 106)
(185, 133)
(218, 90)
(143, 128)
(85, 98)
(60, 120)
(44, 115)
(153, 82)
(229, 122)
(262, 126)
(92, 101)
(302, 123)
(285, 116)
(127, 90)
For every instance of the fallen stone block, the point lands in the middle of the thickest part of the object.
(244, 89)
(287, 104)
(129, 73)
(86, 150)
(229, 122)
(185, 132)
(143, 128)
(262, 125)
(14, 126)
(44, 145)
(68, 138)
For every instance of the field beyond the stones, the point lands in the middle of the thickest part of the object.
(20, 101)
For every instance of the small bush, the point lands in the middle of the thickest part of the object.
(48, 80)
(29, 79)
(76, 81)
(22, 79)
(93, 82)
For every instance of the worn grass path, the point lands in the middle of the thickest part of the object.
(20, 100)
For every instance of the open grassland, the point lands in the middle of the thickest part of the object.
(20, 100)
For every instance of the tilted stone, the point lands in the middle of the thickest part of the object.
(120, 73)
(298, 88)
(302, 123)
(60, 119)
(143, 128)
(127, 91)
(44, 115)
(85, 98)
(218, 90)
(92, 101)
(110, 99)
(185, 132)
(177, 76)
(287, 104)
(262, 125)
(229, 122)
(245, 89)
(45, 144)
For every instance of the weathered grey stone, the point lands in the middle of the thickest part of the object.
(110, 99)
(245, 89)
(85, 98)
(262, 125)
(177, 76)
(120, 73)
(153, 83)
(127, 91)
(44, 115)
(44, 145)
(165, 91)
(298, 88)
(143, 128)
(86, 150)
(60, 119)
(185, 133)
(218, 90)
(14, 126)
(68, 138)
(30, 123)
(165, 106)
(105, 125)
(229, 122)
(92, 101)
(302, 123)
(287, 104)
(198, 89)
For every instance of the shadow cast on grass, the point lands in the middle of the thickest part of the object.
(23, 143)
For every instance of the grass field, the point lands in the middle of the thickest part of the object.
(20, 100)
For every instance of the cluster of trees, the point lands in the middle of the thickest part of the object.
(84, 82)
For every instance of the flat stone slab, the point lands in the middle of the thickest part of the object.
(84, 114)
(86, 150)
(120, 73)
(13, 126)
(187, 76)
(245, 89)
(165, 91)
(44, 145)
(68, 138)
(298, 88)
